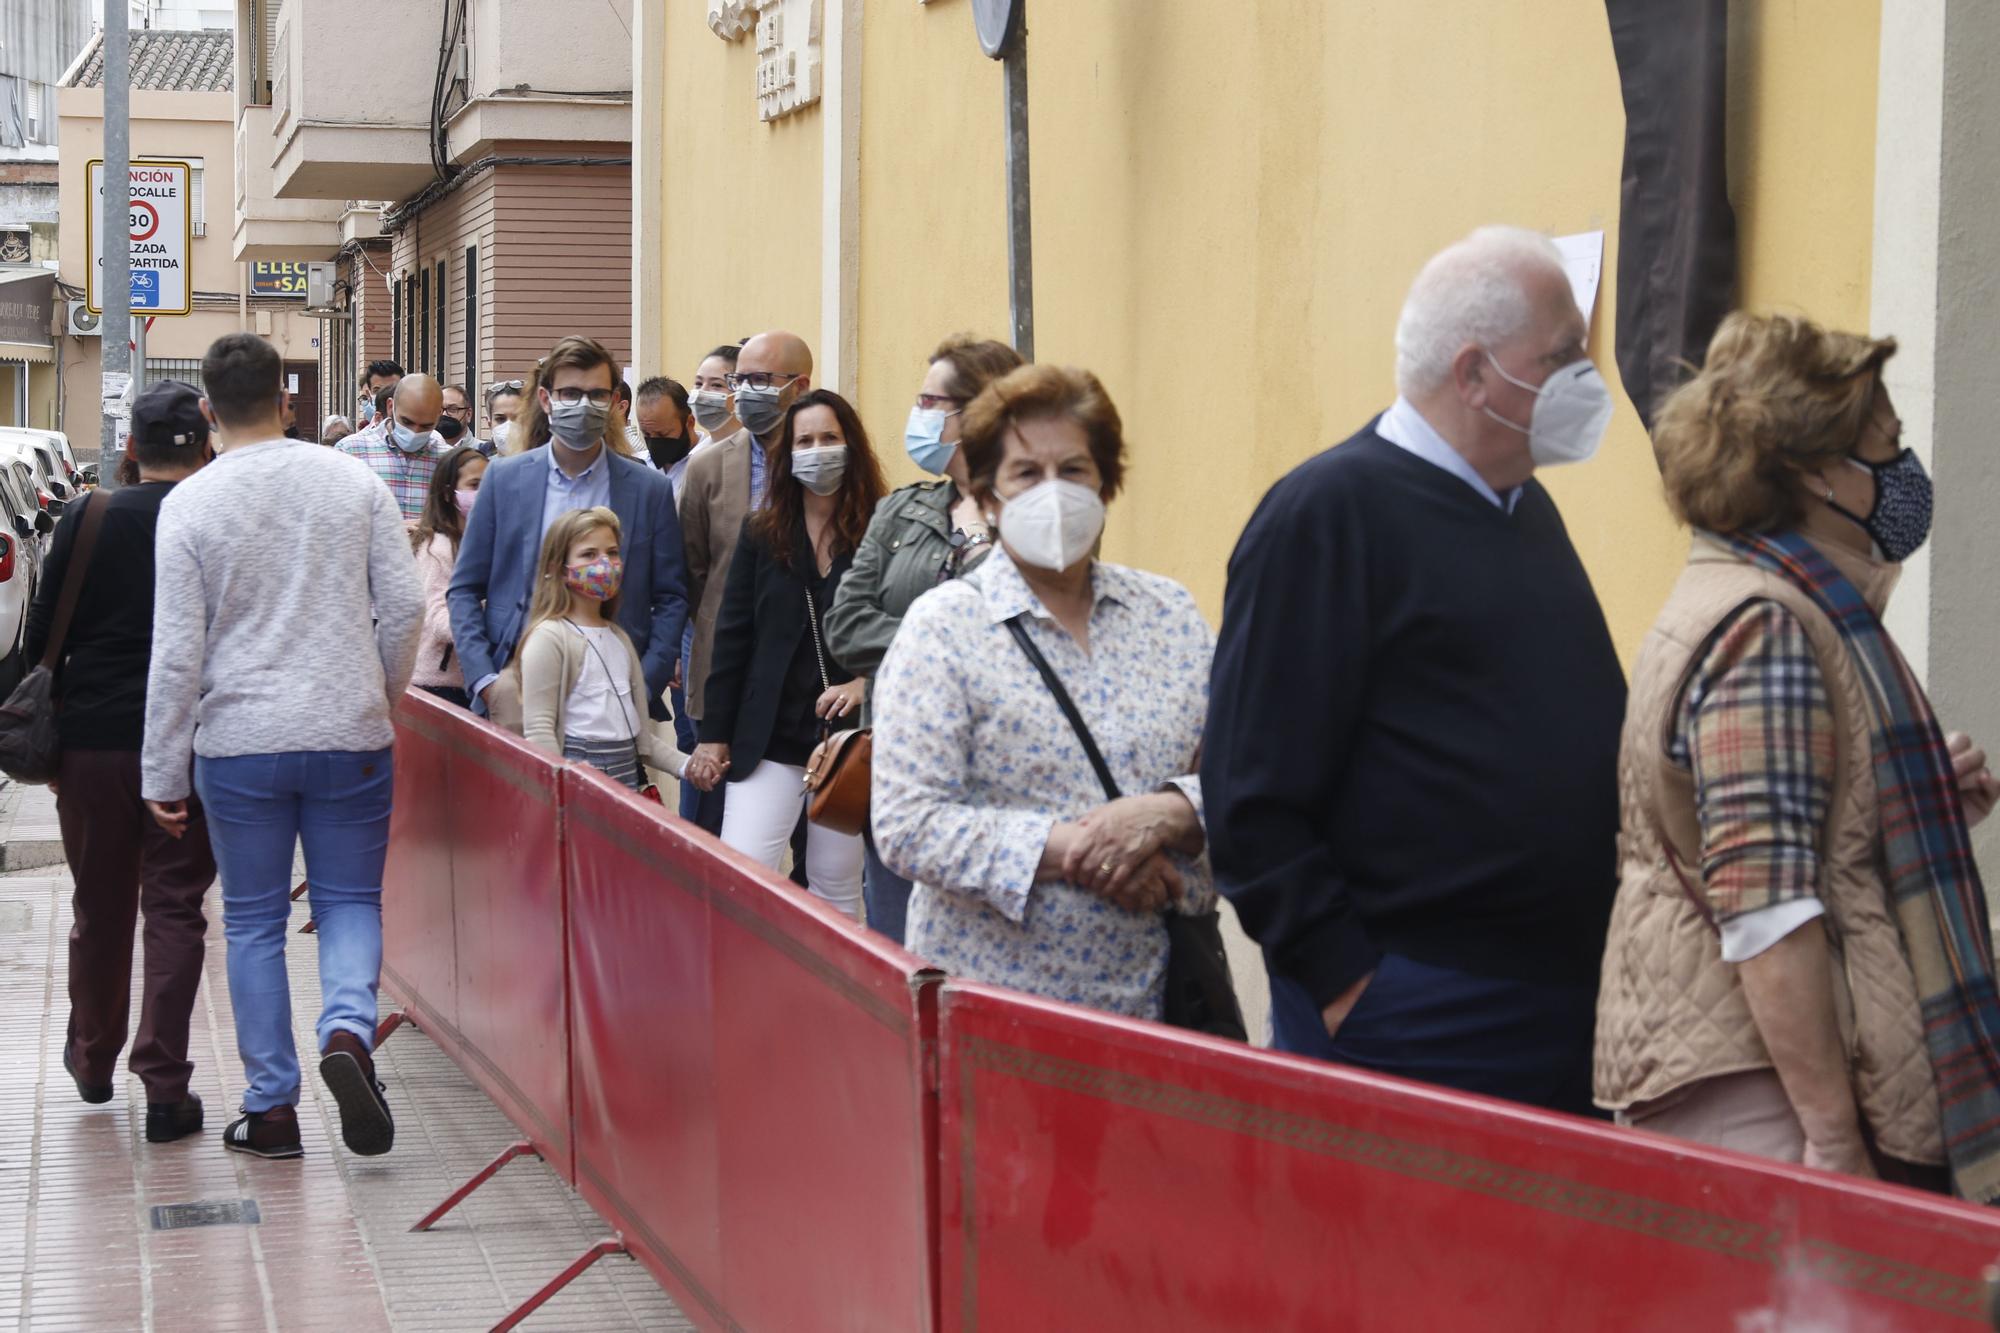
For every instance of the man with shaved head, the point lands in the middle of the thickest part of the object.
(723, 484)
(406, 450)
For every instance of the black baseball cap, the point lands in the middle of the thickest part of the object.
(168, 415)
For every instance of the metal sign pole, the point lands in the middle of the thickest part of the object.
(115, 284)
(1020, 217)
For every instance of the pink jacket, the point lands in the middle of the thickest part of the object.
(437, 659)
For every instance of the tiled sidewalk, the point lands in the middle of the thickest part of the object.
(78, 1183)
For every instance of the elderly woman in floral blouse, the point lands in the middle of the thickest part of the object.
(1026, 874)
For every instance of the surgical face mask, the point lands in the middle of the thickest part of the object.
(466, 499)
(710, 408)
(923, 437)
(1572, 408)
(450, 428)
(1900, 521)
(367, 412)
(820, 470)
(1052, 525)
(597, 580)
(762, 410)
(501, 430)
(411, 441)
(578, 425)
(666, 450)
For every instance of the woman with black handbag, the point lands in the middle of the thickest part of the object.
(1015, 709)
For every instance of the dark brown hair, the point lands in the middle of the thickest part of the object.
(861, 489)
(441, 502)
(1778, 396)
(1036, 392)
(575, 352)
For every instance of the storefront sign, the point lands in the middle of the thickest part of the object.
(27, 305)
(284, 279)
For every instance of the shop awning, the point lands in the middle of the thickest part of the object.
(27, 308)
(34, 352)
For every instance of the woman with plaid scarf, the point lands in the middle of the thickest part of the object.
(1799, 963)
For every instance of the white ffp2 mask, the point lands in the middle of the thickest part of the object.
(1572, 408)
(1052, 525)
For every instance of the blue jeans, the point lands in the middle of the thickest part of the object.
(886, 892)
(1529, 1042)
(260, 807)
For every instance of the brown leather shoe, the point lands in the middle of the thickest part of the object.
(273, 1133)
(366, 1126)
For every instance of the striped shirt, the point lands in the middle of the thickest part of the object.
(408, 475)
(1756, 729)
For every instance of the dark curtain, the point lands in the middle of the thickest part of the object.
(1676, 230)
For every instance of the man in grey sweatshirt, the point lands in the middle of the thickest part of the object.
(286, 614)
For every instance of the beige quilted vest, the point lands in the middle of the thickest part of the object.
(1670, 1011)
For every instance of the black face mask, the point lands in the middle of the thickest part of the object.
(450, 427)
(667, 450)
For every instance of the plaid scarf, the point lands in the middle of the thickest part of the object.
(1934, 886)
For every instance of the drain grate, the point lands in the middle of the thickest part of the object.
(226, 1212)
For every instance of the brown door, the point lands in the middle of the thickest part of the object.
(305, 398)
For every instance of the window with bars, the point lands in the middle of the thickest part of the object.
(185, 369)
(470, 286)
(396, 316)
(439, 306)
(422, 360)
(197, 195)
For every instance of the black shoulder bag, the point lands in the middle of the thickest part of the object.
(30, 750)
(1200, 993)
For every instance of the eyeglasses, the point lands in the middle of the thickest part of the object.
(458, 411)
(572, 396)
(759, 379)
(933, 402)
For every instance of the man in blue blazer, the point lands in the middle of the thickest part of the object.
(520, 496)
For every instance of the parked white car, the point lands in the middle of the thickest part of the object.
(23, 531)
(49, 455)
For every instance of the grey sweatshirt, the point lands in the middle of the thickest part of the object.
(270, 559)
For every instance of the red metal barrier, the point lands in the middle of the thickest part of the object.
(499, 1005)
(751, 1100)
(1103, 1174)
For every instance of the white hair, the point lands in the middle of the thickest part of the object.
(335, 420)
(1473, 291)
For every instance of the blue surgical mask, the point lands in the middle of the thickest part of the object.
(367, 412)
(411, 441)
(1900, 522)
(922, 438)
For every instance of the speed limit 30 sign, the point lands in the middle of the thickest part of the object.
(160, 220)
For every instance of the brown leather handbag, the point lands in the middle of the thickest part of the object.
(837, 773)
(837, 777)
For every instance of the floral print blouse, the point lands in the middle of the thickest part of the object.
(974, 763)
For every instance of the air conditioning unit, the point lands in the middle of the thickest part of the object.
(80, 323)
(319, 286)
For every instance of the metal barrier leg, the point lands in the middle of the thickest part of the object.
(388, 1025)
(486, 1173)
(609, 1245)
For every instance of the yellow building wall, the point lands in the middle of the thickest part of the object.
(741, 229)
(1230, 202)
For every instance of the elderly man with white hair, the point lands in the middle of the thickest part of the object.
(1411, 755)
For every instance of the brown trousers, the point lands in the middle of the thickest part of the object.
(123, 862)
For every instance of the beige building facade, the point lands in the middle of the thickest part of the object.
(183, 109)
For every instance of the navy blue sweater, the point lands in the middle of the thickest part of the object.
(1412, 741)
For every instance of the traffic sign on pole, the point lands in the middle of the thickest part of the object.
(160, 221)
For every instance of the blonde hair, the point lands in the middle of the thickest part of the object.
(1778, 396)
(553, 598)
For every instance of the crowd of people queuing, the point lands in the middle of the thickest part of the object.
(1732, 900)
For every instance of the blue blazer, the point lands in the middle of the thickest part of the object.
(494, 579)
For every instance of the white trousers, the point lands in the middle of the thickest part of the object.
(758, 820)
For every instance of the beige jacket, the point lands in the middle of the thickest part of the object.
(1671, 1012)
(715, 499)
(437, 659)
(551, 664)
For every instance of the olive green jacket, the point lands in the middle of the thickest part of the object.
(906, 545)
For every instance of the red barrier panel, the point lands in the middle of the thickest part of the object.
(504, 1015)
(752, 1107)
(1105, 1174)
(419, 940)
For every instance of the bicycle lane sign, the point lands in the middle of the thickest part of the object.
(161, 226)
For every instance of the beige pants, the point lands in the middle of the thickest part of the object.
(1748, 1112)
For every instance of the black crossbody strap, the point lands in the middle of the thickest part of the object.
(72, 587)
(1067, 704)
